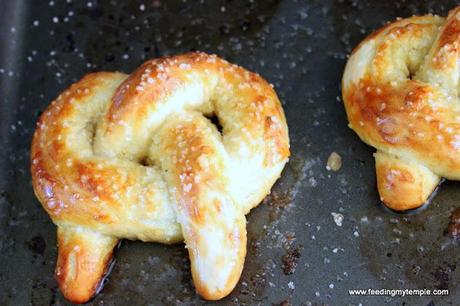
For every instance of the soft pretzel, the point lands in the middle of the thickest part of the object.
(401, 93)
(133, 156)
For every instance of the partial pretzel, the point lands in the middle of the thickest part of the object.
(135, 156)
(401, 93)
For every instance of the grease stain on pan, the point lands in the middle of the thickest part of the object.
(262, 268)
(414, 251)
(259, 269)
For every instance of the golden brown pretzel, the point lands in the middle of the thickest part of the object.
(401, 92)
(118, 156)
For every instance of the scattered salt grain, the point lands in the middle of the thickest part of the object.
(338, 218)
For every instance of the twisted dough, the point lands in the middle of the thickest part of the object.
(401, 93)
(118, 156)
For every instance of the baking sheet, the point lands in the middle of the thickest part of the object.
(296, 252)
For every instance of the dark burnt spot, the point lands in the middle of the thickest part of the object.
(7, 196)
(37, 245)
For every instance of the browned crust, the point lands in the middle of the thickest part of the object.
(81, 264)
(398, 188)
(397, 115)
(197, 158)
(392, 118)
(451, 30)
(82, 191)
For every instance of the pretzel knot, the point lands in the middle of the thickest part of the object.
(401, 92)
(118, 156)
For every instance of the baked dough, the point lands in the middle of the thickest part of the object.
(134, 156)
(401, 93)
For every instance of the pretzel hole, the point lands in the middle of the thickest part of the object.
(413, 65)
(215, 120)
(146, 162)
(411, 75)
(90, 130)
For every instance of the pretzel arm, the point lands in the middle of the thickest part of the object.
(403, 184)
(213, 225)
(83, 258)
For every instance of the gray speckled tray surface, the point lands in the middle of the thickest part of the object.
(296, 252)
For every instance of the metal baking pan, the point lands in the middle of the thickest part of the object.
(297, 253)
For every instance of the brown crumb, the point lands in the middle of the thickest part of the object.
(453, 229)
(289, 260)
(278, 201)
(334, 162)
